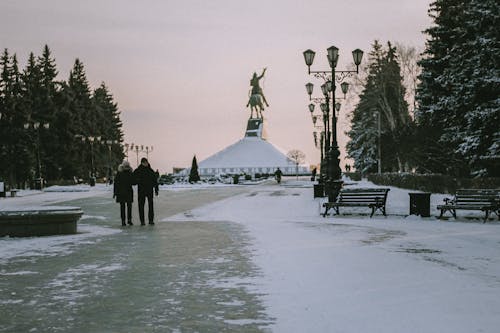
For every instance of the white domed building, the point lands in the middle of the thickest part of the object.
(251, 155)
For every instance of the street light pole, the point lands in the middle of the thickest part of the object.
(379, 150)
(91, 140)
(37, 126)
(148, 149)
(333, 172)
(110, 143)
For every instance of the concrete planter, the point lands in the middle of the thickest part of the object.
(44, 221)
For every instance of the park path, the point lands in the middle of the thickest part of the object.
(171, 277)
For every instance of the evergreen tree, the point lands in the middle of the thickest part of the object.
(70, 150)
(475, 77)
(458, 111)
(32, 99)
(46, 112)
(381, 100)
(110, 125)
(25, 143)
(193, 174)
(5, 82)
(72, 112)
(84, 124)
(16, 149)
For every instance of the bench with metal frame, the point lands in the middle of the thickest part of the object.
(374, 198)
(486, 200)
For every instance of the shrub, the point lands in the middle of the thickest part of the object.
(356, 176)
(435, 183)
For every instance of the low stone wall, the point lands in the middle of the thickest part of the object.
(44, 221)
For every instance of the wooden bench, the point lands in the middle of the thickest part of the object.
(485, 200)
(374, 198)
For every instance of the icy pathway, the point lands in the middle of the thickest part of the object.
(171, 277)
(356, 274)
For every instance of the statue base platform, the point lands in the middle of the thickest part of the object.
(255, 128)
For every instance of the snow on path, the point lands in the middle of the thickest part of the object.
(35, 199)
(340, 274)
(356, 274)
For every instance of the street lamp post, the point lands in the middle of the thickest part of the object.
(148, 149)
(91, 140)
(331, 77)
(110, 143)
(379, 150)
(37, 126)
(315, 135)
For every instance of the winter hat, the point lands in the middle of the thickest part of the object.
(144, 160)
(125, 165)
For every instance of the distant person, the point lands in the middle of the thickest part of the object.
(277, 175)
(313, 174)
(146, 180)
(110, 176)
(122, 191)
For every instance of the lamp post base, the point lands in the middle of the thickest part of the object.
(332, 189)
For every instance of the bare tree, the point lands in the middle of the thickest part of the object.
(408, 58)
(297, 157)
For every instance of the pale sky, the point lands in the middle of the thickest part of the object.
(180, 70)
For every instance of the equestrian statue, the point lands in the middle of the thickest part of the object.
(257, 98)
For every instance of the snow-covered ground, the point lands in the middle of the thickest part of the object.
(27, 199)
(356, 274)
(345, 273)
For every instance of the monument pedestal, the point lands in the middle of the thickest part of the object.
(255, 128)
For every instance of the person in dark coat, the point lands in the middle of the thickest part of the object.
(146, 180)
(122, 191)
(277, 175)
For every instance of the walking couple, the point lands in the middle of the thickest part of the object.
(146, 180)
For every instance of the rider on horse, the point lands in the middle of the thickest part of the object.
(256, 89)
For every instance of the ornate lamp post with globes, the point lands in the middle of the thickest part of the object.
(137, 149)
(333, 172)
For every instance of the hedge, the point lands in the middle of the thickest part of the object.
(434, 183)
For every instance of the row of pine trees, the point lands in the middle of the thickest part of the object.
(454, 128)
(69, 114)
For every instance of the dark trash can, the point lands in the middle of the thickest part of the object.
(92, 181)
(236, 178)
(319, 190)
(420, 204)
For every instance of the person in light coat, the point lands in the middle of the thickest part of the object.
(122, 191)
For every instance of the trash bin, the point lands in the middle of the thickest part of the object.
(2, 190)
(92, 181)
(319, 190)
(236, 179)
(420, 204)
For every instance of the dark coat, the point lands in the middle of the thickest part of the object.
(123, 186)
(146, 180)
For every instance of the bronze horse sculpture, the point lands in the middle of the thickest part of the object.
(256, 104)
